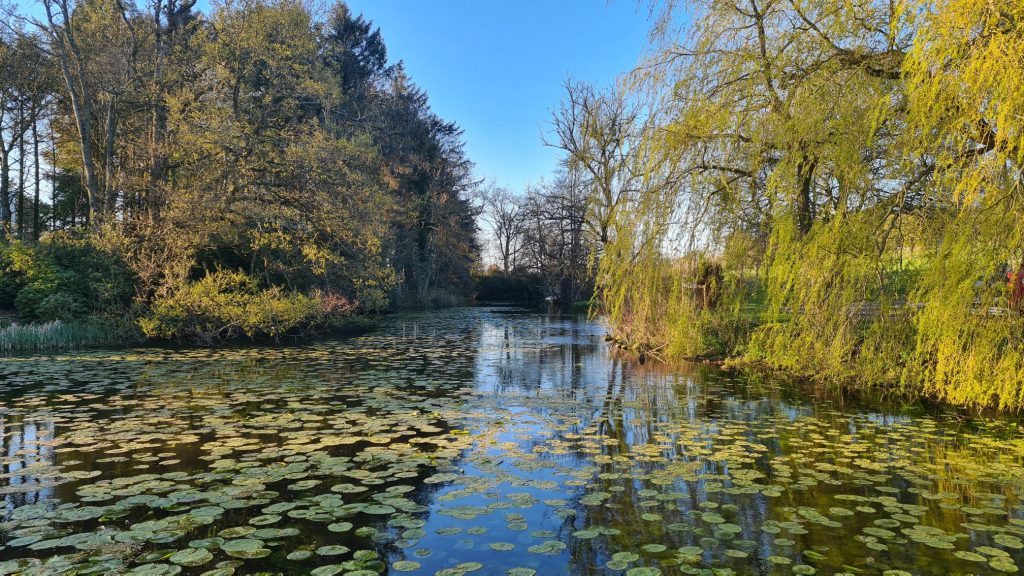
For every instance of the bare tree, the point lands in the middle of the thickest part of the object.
(557, 245)
(507, 217)
(24, 96)
(96, 69)
(598, 131)
(59, 28)
(10, 128)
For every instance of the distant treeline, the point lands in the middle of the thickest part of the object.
(249, 171)
(543, 241)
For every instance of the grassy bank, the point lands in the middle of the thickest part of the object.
(954, 337)
(58, 336)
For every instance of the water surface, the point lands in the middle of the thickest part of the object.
(482, 441)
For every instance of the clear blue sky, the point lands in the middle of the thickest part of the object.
(496, 67)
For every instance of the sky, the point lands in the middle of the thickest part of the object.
(497, 67)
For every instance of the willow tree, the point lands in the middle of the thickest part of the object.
(965, 86)
(776, 117)
(869, 154)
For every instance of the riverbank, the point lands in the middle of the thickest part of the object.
(58, 336)
(71, 291)
(962, 355)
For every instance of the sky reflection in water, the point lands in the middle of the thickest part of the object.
(479, 441)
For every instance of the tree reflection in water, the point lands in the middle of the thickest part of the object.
(483, 441)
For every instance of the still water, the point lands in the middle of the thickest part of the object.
(482, 441)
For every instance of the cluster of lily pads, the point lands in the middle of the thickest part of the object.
(473, 442)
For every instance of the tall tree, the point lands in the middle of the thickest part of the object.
(598, 131)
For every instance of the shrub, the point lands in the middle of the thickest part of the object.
(225, 305)
(11, 280)
(707, 278)
(61, 305)
(63, 278)
(334, 306)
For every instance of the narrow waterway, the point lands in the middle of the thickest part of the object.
(482, 441)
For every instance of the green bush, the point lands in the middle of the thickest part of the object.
(63, 278)
(12, 277)
(709, 277)
(225, 305)
(61, 305)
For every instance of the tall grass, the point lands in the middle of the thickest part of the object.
(57, 335)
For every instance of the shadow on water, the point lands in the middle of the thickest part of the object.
(483, 440)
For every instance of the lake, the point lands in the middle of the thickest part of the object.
(483, 441)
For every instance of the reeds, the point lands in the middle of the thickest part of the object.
(57, 335)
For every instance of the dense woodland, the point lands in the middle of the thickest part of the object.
(833, 189)
(252, 170)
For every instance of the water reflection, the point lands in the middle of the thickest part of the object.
(482, 441)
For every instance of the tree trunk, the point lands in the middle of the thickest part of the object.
(158, 120)
(5, 190)
(53, 178)
(36, 221)
(92, 189)
(21, 172)
(158, 162)
(1017, 288)
(109, 193)
(68, 55)
(805, 173)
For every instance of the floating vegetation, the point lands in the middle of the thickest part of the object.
(479, 442)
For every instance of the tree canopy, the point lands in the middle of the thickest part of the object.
(855, 169)
(263, 138)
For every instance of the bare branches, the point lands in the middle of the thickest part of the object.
(508, 218)
(598, 131)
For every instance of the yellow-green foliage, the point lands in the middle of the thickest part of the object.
(834, 308)
(965, 86)
(867, 161)
(673, 308)
(969, 347)
(938, 323)
(224, 305)
(635, 284)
